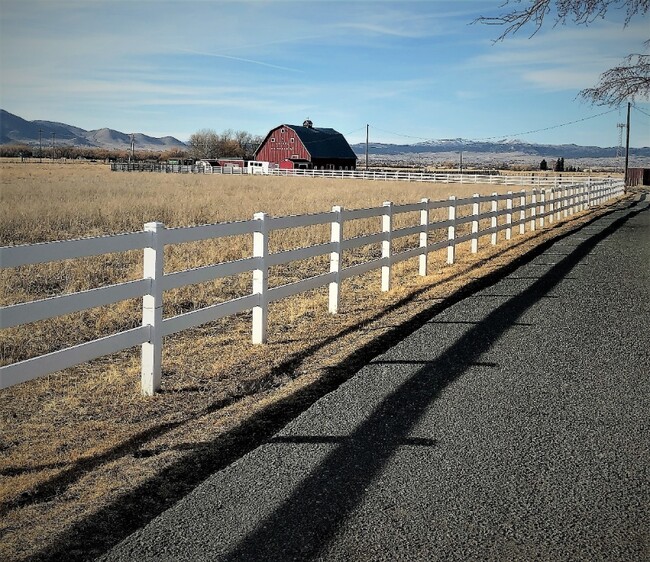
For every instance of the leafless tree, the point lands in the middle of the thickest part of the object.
(625, 82)
(204, 144)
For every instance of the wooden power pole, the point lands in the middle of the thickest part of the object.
(627, 143)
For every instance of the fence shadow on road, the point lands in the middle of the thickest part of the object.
(301, 523)
(317, 508)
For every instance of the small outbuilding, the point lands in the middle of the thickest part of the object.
(306, 147)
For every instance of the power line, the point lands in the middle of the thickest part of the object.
(641, 110)
(551, 127)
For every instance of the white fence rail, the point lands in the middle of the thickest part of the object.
(530, 180)
(535, 209)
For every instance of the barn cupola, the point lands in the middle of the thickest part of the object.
(307, 123)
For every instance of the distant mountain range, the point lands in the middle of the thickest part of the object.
(16, 130)
(503, 147)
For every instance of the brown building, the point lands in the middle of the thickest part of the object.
(638, 176)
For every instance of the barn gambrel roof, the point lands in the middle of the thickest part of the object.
(324, 143)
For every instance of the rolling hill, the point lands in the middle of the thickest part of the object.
(16, 130)
(504, 149)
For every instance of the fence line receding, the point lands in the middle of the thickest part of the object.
(514, 180)
(535, 209)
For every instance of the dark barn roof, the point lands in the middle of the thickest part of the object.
(324, 143)
(321, 143)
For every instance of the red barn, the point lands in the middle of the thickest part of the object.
(294, 146)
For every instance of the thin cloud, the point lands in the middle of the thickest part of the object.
(241, 59)
(558, 79)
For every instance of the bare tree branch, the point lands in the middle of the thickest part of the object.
(629, 80)
(581, 12)
(626, 82)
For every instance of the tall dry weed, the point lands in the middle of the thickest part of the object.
(42, 203)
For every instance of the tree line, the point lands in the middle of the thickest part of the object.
(87, 153)
(207, 143)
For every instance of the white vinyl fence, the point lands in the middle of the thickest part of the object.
(529, 180)
(535, 209)
(524, 180)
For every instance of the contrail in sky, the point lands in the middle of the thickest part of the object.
(240, 59)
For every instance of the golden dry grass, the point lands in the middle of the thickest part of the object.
(76, 444)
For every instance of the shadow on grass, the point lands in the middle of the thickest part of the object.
(98, 533)
(72, 472)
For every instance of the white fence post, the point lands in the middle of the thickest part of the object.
(533, 210)
(424, 236)
(494, 219)
(336, 258)
(476, 211)
(509, 216)
(261, 279)
(387, 229)
(580, 203)
(571, 199)
(551, 204)
(542, 208)
(451, 231)
(522, 213)
(152, 310)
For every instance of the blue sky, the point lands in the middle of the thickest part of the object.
(411, 70)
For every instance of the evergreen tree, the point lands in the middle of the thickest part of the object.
(543, 165)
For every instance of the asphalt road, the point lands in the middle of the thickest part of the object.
(514, 425)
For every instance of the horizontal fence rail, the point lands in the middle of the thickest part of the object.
(524, 180)
(530, 180)
(512, 212)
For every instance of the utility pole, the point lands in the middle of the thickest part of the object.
(627, 143)
(40, 145)
(53, 145)
(367, 129)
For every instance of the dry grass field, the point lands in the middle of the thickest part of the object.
(87, 459)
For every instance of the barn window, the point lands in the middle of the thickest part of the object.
(282, 131)
(272, 139)
(291, 139)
